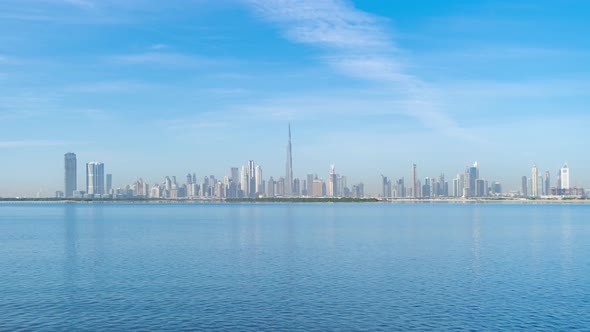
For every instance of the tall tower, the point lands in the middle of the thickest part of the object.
(414, 180)
(259, 183)
(535, 184)
(289, 168)
(245, 182)
(70, 174)
(332, 183)
(109, 183)
(95, 178)
(524, 186)
(565, 177)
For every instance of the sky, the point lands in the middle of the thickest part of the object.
(156, 88)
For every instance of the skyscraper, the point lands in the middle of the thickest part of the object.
(535, 184)
(289, 168)
(332, 183)
(259, 183)
(473, 176)
(245, 182)
(523, 186)
(414, 182)
(565, 177)
(252, 178)
(386, 186)
(95, 178)
(110, 183)
(70, 174)
(309, 184)
(547, 183)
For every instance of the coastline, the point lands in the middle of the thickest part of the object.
(299, 200)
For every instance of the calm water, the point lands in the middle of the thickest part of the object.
(294, 267)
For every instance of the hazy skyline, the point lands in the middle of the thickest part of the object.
(154, 89)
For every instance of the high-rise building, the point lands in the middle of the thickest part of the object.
(455, 191)
(309, 184)
(523, 186)
(535, 180)
(414, 182)
(297, 187)
(481, 188)
(497, 188)
(252, 178)
(461, 185)
(281, 187)
(386, 186)
(70, 174)
(473, 176)
(547, 183)
(95, 178)
(235, 175)
(318, 188)
(289, 168)
(110, 183)
(245, 182)
(565, 177)
(400, 188)
(270, 192)
(259, 183)
(332, 183)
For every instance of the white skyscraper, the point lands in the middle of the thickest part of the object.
(535, 184)
(95, 178)
(565, 177)
(245, 182)
(332, 183)
(259, 182)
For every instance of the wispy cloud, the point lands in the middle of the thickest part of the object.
(359, 45)
(85, 4)
(111, 86)
(158, 47)
(164, 59)
(8, 60)
(538, 89)
(32, 143)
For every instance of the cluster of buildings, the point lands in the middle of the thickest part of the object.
(96, 186)
(539, 185)
(469, 184)
(249, 182)
(466, 184)
(244, 182)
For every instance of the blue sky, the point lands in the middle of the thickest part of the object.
(155, 88)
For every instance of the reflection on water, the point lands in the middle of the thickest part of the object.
(476, 238)
(566, 243)
(118, 267)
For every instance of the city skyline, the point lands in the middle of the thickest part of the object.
(149, 88)
(252, 184)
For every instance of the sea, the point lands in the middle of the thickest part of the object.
(294, 267)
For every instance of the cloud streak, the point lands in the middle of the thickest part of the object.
(32, 143)
(165, 59)
(357, 44)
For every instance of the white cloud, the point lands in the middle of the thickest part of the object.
(158, 46)
(111, 86)
(32, 143)
(86, 4)
(357, 44)
(163, 59)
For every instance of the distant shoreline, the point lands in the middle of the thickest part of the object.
(302, 200)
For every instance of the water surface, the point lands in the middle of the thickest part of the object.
(294, 267)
